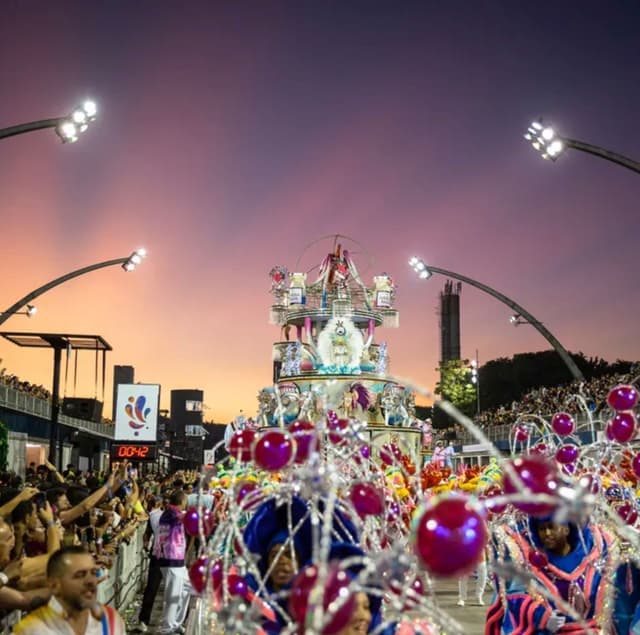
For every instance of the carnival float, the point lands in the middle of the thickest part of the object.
(331, 483)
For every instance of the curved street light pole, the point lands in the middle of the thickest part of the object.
(614, 157)
(551, 145)
(12, 131)
(127, 263)
(561, 350)
(68, 128)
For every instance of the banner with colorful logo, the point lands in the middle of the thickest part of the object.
(137, 412)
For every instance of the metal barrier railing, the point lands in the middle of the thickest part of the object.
(26, 402)
(122, 582)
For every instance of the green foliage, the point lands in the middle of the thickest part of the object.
(4, 445)
(455, 385)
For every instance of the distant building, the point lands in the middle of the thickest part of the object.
(450, 321)
(121, 375)
(185, 439)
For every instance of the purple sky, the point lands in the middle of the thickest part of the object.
(232, 134)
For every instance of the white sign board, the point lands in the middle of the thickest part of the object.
(137, 412)
(209, 457)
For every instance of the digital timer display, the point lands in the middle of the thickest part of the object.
(134, 452)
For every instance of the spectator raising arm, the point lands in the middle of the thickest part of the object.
(24, 495)
(53, 531)
(54, 470)
(69, 515)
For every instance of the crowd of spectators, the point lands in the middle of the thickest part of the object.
(49, 510)
(546, 401)
(13, 381)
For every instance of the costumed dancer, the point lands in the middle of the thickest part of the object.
(574, 566)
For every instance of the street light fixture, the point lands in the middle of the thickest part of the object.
(30, 311)
(425, 271)
(68, 128)
(132, 261)
(551, 145)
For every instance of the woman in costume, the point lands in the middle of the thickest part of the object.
(570, 567)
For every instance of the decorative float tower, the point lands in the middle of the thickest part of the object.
(329, 349)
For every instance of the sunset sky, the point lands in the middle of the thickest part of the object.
(233, 134)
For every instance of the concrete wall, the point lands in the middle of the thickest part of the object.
(16, 459)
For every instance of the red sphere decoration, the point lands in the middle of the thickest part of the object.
(336, 588)
(538, 476)
(241, 444)
(490, 501)
(539, 448)
(337, 430)
(538, 559)
(390, 453)
(567, 454)
(622, 427)
(628, 513)
(208, 522)
(274, 450)
(563, 424)
(622, 397)
(190, 520)
(450, 536)
(413, 592)
(589, 483)
(367, 499)
(304, 434)
(237, 585)
(521, 434)
(393, 511)
(198, 574)
(246, 490)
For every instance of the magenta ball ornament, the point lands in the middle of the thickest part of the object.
(622, 427)
(413, 591)
(390, 453)
(538, 476)
(538, 559)
(337, 430)
(393, 511)
(520, 433)
(241, 444)
(197, 574)
(246, 495)
(237, 585)
(563, 424)
(365, 451)
(490, 501)
(304, 434)
(622, 397)
(540, 448)
(567, 454)
(190, 521)
(450, 536)
(367, 499)
(274, 450)
(635, 465)
(628, 513)
(336, 588)
(589, 483)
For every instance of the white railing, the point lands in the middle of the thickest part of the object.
(25, 402)
(501, 432)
